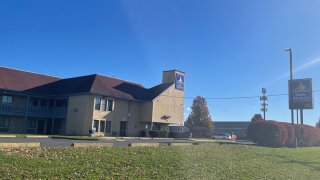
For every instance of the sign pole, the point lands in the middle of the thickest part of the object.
(301, 116)
(290, 50)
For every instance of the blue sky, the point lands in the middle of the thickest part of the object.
(227, 48)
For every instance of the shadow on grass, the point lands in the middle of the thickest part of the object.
(288, 160)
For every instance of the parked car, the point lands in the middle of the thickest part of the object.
(234, 137)
(221, 136)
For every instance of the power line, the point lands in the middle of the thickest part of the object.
(236, 97)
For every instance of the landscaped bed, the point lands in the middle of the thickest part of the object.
(189, 162)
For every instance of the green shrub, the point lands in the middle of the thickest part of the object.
(179, 134)
(158, 133)
(142, 133)
(201, 132)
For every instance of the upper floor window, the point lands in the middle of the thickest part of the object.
(103, 104)
(7, 99)
(110, 104)
(61, 103)
(35, 102)
(97, 103)
(43, 102)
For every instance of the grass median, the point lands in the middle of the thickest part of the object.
(189, 162)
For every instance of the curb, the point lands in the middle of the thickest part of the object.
(20, 145)
(8, 136)
(35, 136)
(144, 145)
(145, 138)
(164, 138)
(107, 138)
(182, 144)
(92, 144)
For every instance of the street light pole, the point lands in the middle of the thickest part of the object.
(292, 118)
(290, 50)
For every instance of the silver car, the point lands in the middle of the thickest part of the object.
(221, 136)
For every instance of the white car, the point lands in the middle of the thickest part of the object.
(221, 136)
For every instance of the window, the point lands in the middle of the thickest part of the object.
(35, 102)
(43, 103)
(7, 99)
(61, 103)
(57, 124)
(96, 125)
(108, 127)
(4, 122)
(103, 104)
(102, 126)
(110, 105)
(32, 123)
(51, 103)
(98, 103)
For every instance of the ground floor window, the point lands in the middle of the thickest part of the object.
(108, 127)
(32, 123)
(96, 125)
(123, 128)
(59, 126)
(156, 126)
(4, 124)
(102, 125)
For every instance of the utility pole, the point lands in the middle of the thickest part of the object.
(264, 104)
(290, 51)
(290, 100)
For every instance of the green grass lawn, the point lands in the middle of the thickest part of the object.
(194, 162)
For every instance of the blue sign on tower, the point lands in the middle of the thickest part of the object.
(180, 81)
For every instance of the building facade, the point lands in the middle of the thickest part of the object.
(238, 128)
(40, 104)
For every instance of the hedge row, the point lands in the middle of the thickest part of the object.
(179, 134)
(278, 134)
(158, 133)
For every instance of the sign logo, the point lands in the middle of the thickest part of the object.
(179, 81)
(300, 94)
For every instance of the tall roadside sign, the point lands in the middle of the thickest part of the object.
(300, 95)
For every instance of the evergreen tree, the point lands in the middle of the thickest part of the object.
(256, 117)
(318, 123)
(199, 121)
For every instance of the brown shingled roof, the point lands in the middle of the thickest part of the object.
(94, 84)
(21, 80)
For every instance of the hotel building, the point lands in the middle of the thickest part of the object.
(39, 104)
